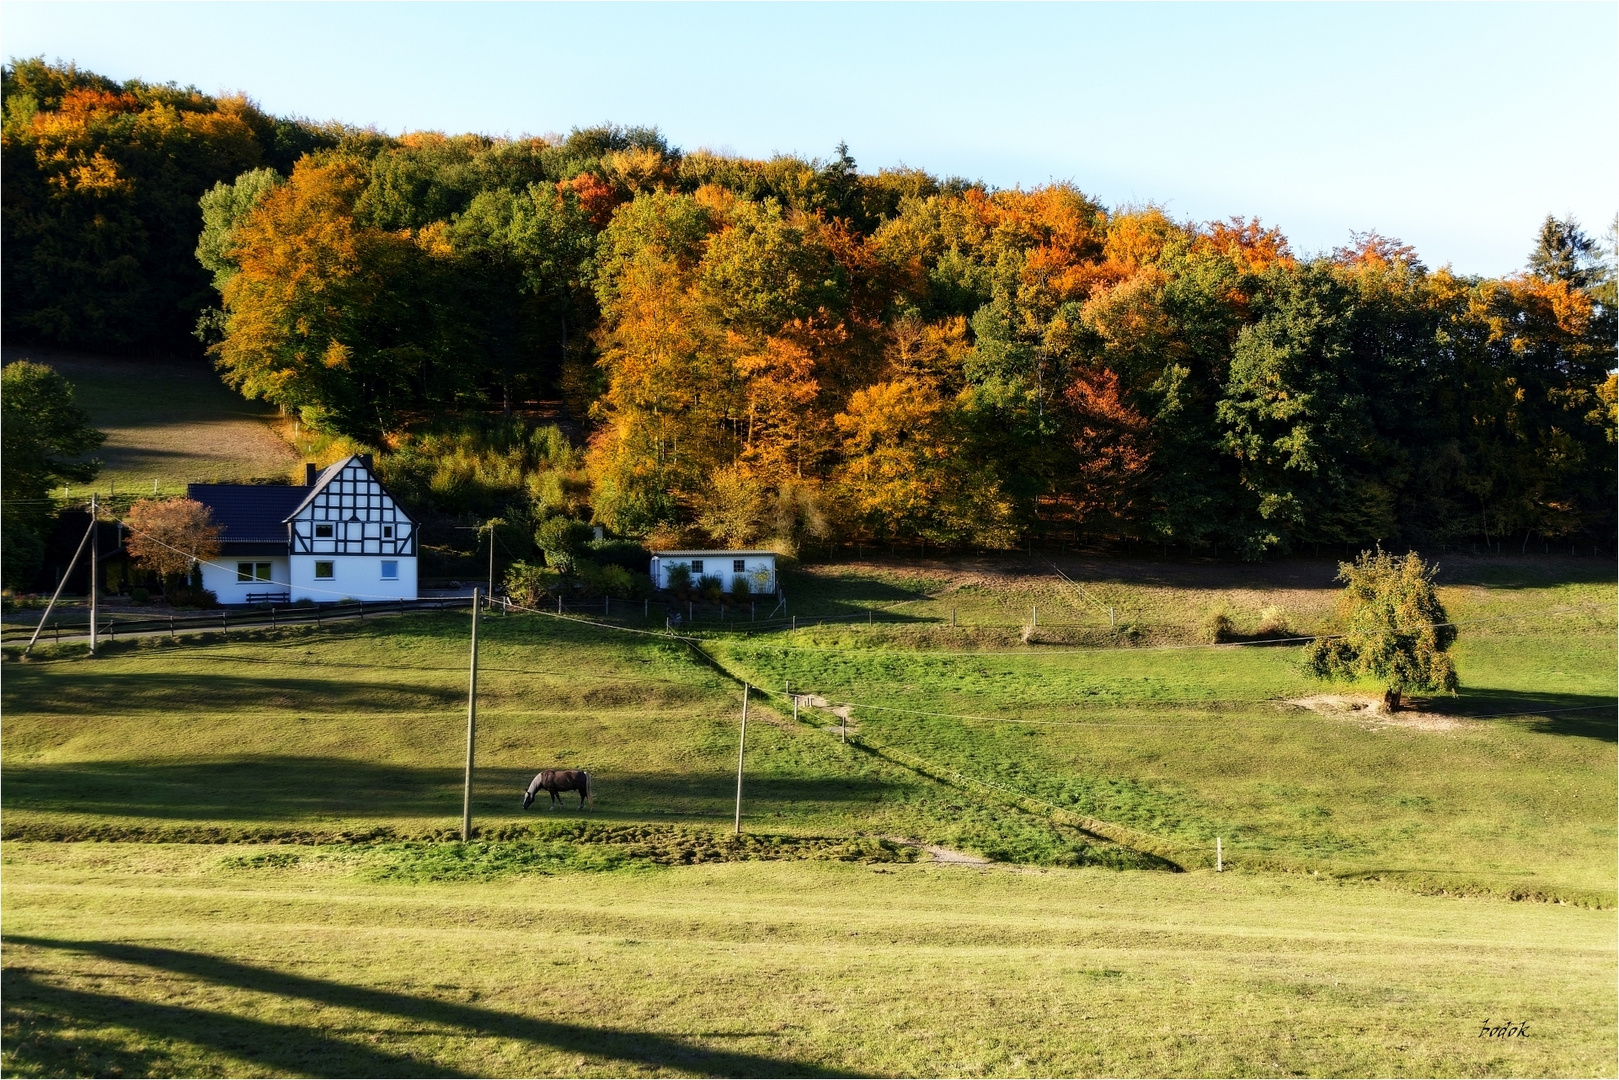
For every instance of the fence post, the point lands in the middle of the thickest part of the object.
(272, 614)
(171, 629)
(607, 606)
(795, 622)
(559, 603)
(224, 623)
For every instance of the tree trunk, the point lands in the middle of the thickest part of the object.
(1391, 700)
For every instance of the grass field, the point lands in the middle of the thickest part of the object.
(182, 960)
(1365, 929)
(168, 420)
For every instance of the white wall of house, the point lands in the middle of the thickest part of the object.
(356, 577)
(222, 576)
(759, 567)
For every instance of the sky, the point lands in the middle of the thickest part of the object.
(1456, 127)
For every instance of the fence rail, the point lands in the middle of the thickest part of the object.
(671, 614)
(225, 619)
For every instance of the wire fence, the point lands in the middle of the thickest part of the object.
(225, 619)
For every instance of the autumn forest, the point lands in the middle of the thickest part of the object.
(782, 352)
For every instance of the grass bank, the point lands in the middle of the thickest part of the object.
(189, 960)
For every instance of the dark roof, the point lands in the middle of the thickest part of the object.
(249, 513)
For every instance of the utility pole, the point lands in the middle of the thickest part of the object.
(472, 725)
(95, 566)
(60, 585)
(741, 748)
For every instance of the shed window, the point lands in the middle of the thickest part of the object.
(697, 566)
(739, 565)
(323, 531)
(325, 571)
(390, 570)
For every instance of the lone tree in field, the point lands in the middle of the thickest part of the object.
(1396, 628)
(167, 535)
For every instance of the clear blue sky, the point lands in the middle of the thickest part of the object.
(1456, 127)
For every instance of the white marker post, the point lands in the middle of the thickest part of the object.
(1219, 856)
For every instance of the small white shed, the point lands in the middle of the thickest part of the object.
(758, 567)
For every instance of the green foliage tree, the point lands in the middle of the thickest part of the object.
(1396, 628)
(100, 200)
(44, 437)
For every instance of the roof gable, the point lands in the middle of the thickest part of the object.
(352, 468)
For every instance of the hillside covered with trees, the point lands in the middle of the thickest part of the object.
(786, 350)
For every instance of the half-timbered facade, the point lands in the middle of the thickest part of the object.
(342, 535)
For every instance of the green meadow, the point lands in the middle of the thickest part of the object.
(236, 854)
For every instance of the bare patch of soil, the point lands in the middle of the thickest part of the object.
(1370, 713)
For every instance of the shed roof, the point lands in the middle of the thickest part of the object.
(249, 513)
(716, 552)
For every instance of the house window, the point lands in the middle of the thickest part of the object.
(325, 571)
(697, 566)
(390, 570)
(387, 532)
(246, 571)
(323, 532)
(261, 571)
(739, 566)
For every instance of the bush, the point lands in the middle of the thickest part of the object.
(1395, 628)
(303, 601)
(679, 579)
(1273, 623)
(561, 538)
(138, 595)
(1217, 628)
(741, 591)
(626, 553)
(710, 588)
(529, 584)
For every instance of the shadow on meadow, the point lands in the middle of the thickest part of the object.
(280, 788)
(221, 692)
(38, 1012)
(1586, 715)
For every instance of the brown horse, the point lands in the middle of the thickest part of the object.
(557, 781)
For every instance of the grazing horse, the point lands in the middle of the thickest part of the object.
(559, 780)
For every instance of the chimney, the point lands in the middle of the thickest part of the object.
(310, 472)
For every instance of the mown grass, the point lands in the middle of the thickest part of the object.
(159, 959)
(1191, 743)
(361, 733)
(168, 420)
(352, 937)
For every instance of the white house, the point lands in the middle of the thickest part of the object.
(758, 567)
(341, 535)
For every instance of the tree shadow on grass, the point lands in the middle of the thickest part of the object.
(281, 788)
(189, 693)
(1585, 715)
(311, 1052)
